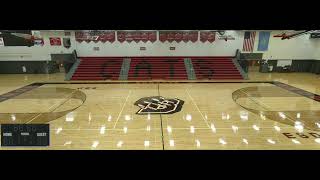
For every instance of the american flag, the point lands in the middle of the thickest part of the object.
(248, 43)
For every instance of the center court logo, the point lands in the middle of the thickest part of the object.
(158, 105)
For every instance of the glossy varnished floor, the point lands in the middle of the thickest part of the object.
(209, 119)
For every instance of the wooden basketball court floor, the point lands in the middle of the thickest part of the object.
(270, 111)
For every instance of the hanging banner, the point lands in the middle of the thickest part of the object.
(97, 35)
(1, 41)
(207, 36)
(38, 42)
(263, 40)
(178, 36)
(55, 41)
(37, 38)
(136, 36)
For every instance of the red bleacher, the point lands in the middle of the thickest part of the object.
(98, 68)
(154, 68)
(215, 68)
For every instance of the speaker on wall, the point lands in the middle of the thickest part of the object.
(315, 35)
(66, 42)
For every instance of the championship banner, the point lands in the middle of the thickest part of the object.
(1, 41)
(207, 36)
(137, 36)
(55, 41)
(38, 40)
(95, 36)
(178, 36)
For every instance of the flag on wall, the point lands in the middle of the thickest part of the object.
(248, 42)
(263, 41)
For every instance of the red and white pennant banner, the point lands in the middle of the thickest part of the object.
(207, 36)
(95, 36)
(136, 36)
(178, 36)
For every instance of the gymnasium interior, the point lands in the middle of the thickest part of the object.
(159, 89)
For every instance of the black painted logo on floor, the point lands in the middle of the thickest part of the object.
(159, 105)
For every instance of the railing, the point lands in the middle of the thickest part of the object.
(189, 68)
(74, 66)
(241, 64)
(125, 69)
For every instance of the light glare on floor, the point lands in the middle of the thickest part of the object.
(109, 118)
(67, 143)
(197, 143)
(298, 126)
(59, 130)
(192, 129)
(89, 118)
(125, 129)
(244, 115)
(245, 141)
(169, 129)
(146, 143)
(119, 144)
(69, 117)
(213, 128)
(234, 128)
(222, 141)
(296, 141)
(277, 128)
(95, 144)
(255, 127)
(225, 116)
(13, 117)
(282, 115)
(171, 142)
(188, 117)
(127, 117)
(317, 140)
(271, 141)
(102, 129)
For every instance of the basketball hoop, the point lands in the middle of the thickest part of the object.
(291, 34)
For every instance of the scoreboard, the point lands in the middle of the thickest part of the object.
(16, 135)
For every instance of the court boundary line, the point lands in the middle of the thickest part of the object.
(115, 124)
(162, 137)
(59, 105)
(195, 104)
(282, 85)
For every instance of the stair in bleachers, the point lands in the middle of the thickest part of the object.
(125, 69)
(215, 68)
(98, 68)
(157, 68)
